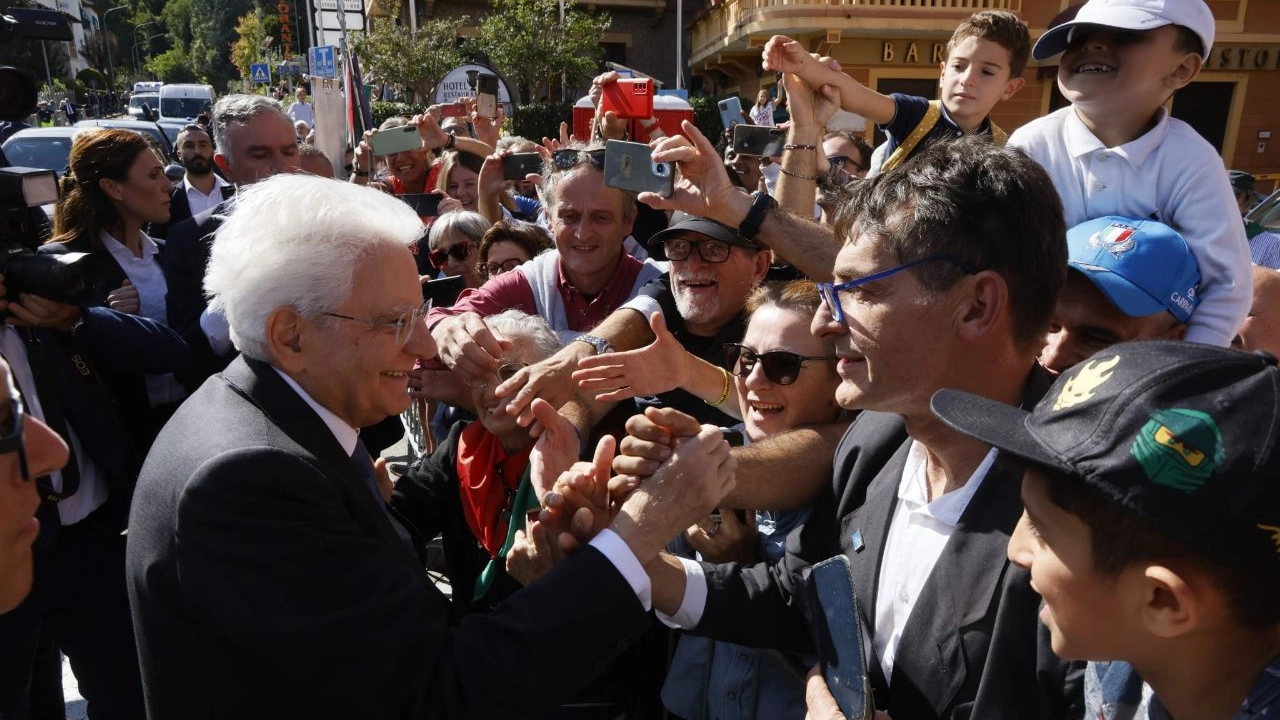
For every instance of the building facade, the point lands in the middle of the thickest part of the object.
(897, 45)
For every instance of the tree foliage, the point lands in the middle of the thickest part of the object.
(525, 43)
(177, 20)
(393, 55)
(213, 30)
(171, 66)
(247, 48)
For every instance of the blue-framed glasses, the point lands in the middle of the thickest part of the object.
(830, 292)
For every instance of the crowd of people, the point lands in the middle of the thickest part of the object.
(1018, 389)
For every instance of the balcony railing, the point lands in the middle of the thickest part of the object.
(725, 21)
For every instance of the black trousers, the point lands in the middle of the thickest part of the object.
(78, 599)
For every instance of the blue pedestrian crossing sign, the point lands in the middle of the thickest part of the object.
(322, 62)
(261, 73)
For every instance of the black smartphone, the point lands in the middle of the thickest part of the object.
(425, 204)
(759, 140)
(840, 637)
(630, 166)
(443, 292)
(487, 95)
(517, 165)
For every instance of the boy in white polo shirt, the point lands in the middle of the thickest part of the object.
(1115, 150)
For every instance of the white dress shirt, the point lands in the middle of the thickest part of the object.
(918, 532)
(1170, 174)
(615, 550)
(200, 202)
(147, 276)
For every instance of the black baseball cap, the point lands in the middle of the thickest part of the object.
(682, 222)
(1180, 433)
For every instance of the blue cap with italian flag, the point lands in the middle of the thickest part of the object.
(1142, 266)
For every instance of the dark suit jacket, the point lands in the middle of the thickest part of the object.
(122, 348)
(266, 582)
(180, 209)
(973, 646)
(186, 255)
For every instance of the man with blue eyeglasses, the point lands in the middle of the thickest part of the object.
(946, 277)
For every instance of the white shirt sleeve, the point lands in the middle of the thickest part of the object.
(695, 598)
(216, 331)
(617, 552)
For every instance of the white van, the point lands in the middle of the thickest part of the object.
(185, 102)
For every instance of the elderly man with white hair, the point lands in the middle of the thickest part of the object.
(266, 575)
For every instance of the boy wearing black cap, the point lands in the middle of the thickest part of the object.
(1152, 524)
(1116, 151)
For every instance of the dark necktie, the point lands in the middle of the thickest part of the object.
(364, 466)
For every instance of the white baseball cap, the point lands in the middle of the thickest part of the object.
(1131, 15)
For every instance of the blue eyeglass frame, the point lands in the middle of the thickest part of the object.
(830, 292)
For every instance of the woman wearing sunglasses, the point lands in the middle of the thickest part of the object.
(782, 377)
(453, 240)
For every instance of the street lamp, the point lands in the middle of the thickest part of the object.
(136, 43)
(138, 56)
(111, 68)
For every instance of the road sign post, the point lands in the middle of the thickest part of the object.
(260, 73)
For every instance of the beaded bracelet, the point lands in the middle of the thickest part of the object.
(798, 146)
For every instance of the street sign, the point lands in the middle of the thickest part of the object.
(322, 64)
(260, 73)
(355, 6)
(328, 20)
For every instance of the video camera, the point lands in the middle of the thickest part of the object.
(62, 278)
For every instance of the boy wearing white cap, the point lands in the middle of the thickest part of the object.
(1115, 150)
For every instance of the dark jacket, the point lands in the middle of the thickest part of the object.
(973, 647)
(266, 582)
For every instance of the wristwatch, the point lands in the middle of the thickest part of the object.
(761, 204)
(601, 345)
(449, 144)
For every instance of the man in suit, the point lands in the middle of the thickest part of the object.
(254, 141)
(266, 575)
(946, 278)
(201, 188)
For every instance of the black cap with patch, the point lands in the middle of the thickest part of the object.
(1181, 433)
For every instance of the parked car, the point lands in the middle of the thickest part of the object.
(45, 148)
(151, 130)
(135, 103)
(183, 101)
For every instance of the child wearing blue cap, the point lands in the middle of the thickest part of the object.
(1115, 150)
(1152, 525)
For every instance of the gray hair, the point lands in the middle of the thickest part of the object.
(510, 323)
(239, 109)
(471, 225)
(552, 176)
(297, 241)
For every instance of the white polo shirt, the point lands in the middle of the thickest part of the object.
(1170, 174)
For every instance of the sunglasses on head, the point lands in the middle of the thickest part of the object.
(780, 366)
(458, 252)
(566, 159)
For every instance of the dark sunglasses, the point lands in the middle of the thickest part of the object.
(12, 438)
(459, 252)
(839, 161)
(780, 366)
(570, 159)
(493, 269)
(711, 251)
(505, 372)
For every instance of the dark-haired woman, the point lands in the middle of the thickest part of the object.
(115, 185)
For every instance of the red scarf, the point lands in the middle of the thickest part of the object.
(487, 482)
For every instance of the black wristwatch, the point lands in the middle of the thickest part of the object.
(449, 144)
(761, 204)
(601, 345)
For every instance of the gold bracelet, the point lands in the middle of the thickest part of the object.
(798, 176)
(724, 394)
